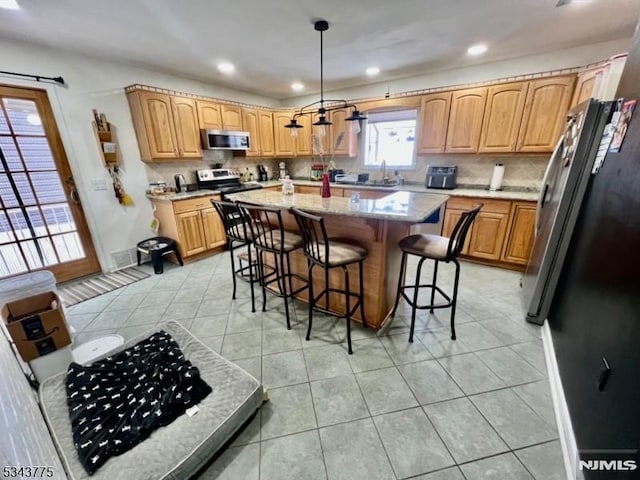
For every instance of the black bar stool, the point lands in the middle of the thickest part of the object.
(439, 249)
(238, 235)
(269, 236)
(328, 254)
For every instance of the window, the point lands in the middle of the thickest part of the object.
(391, 136)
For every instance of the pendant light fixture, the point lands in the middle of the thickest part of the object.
(322, 111)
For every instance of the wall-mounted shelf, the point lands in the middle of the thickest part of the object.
(108, 145)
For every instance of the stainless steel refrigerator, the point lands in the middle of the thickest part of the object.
(562, 192)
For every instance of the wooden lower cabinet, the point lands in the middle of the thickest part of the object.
(501, 234)
(191, 233)
(487, 235)
(214, 234)
(194, 224)
(521, 233)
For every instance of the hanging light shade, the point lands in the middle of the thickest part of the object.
(355, 116)
(323, 121)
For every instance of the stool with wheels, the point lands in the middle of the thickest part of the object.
(270, 237)
(156, 248)
(438, 249)
(327, 254)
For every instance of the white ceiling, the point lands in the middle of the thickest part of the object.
(272, 42)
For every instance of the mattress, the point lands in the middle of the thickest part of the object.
(179, 450)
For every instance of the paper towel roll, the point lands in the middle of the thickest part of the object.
(496, 178)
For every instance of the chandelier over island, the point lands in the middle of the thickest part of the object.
(321, 111)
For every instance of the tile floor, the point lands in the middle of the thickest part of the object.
(476, 408)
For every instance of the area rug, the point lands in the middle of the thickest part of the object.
(91, 287)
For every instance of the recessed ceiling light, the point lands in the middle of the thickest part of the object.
(371, 71)
(297, 86)
(9, 4)
(224, 67)
(477, 49)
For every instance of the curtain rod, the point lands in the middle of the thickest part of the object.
(37, 78)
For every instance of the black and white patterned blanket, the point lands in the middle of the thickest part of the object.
(116, 403)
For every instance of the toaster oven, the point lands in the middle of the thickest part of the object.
(444, 177)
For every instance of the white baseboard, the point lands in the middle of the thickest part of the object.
(563, 420)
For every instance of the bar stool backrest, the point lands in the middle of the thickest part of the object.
(266, 225)
(460, 231)
(234, 223)
(314, 236)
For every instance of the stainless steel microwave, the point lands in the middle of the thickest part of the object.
(224, 140)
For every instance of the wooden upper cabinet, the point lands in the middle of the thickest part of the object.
(265, 126)
(209, 115)
(303, 140)
(284, 146)
(521, 233)
(465, 120)
(232, 118)
(153, 122)
(434, 117)
(584, 87)
(348, 144)
(544, 113)
(250, 123)
(186, 121)
(502, 117)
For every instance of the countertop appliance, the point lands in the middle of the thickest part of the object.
(333, 173)
(263, 176)
(224, 140)
(443, 177)
(561, 196)
(223, 180)
(181, 183)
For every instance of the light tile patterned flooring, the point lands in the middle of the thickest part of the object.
(476, 408)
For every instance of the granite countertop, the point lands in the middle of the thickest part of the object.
(401, 206)
(464, 191)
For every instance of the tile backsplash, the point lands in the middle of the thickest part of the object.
(520, 170)
(166, 170)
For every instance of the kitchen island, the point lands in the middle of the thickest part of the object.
(378, 225)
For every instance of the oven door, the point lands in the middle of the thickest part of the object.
(225, 140)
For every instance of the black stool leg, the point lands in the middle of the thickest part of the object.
(138, 256)
(454, 299)
(262, 275)
(233, 268)
(403, 267)
(415, 299)
(178, 256)
(282, 283)
(253, 296)
(360, 270)
(311, 298)
(348, 302)
(326, 286)
(433, 289)
(156, 260)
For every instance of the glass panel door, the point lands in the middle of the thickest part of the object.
(41, 222)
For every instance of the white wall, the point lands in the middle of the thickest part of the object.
(560, 59)
(98, 84)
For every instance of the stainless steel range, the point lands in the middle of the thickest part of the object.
(223, 180)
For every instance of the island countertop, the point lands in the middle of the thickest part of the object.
(400, 206)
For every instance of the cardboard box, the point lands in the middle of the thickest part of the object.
(35, 327)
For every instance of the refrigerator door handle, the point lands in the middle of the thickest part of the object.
(545, 185)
